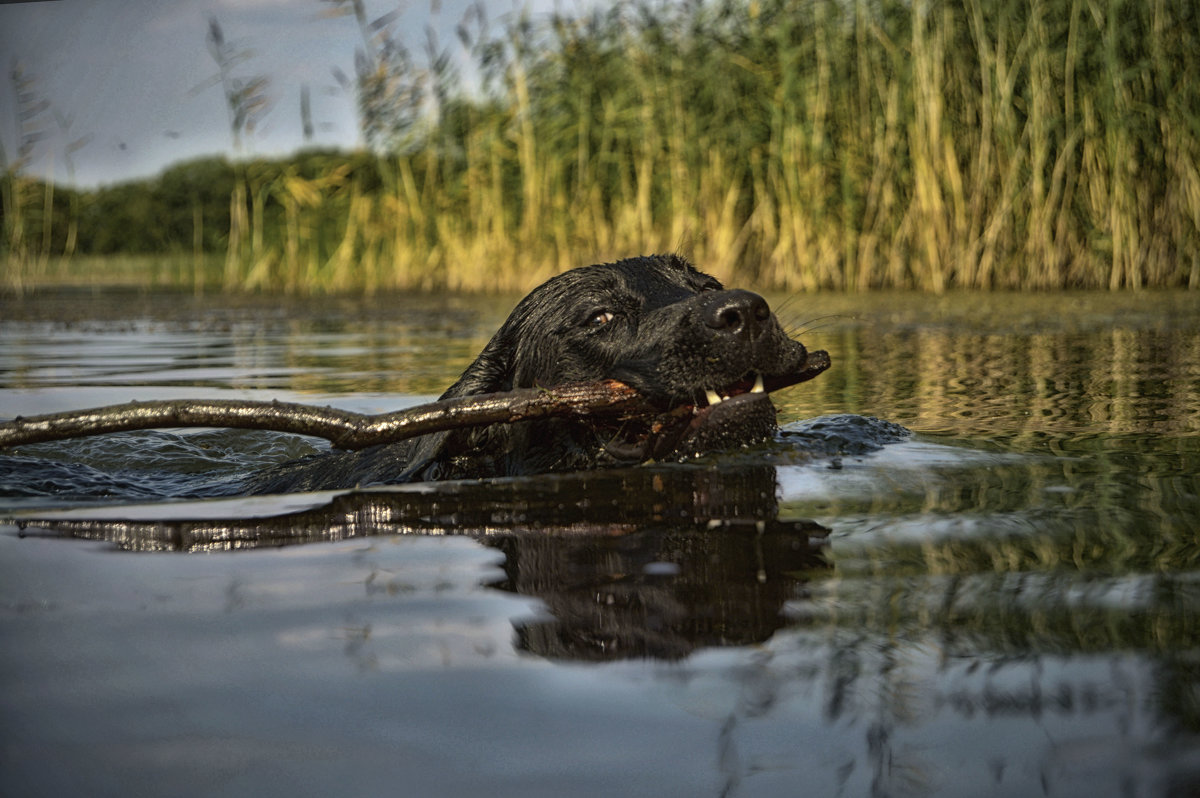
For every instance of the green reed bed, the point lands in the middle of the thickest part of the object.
(809, 145)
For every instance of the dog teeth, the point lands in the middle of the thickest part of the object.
(715, 398)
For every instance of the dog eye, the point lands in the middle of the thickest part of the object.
(599, 318)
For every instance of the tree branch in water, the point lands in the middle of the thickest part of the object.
(344, 429)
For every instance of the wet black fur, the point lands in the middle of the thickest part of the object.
(654, 322)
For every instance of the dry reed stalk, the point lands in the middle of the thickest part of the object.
(794, 144)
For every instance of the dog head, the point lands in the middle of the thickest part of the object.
(705, 355)
(655, 323)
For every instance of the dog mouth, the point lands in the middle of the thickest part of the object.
(737, 389)
(754, 382)
(739, 413)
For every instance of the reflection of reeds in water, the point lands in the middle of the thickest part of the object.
(1108, 418)
(796, 145)
(1011, 612)
(1022, 386)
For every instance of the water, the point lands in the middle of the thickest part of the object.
(1005, 603)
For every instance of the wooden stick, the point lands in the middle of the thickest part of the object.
(344, 429)
(348, 430)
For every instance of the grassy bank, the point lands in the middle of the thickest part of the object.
(810, 145)
(148, 271)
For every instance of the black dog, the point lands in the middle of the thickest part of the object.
(705, 355)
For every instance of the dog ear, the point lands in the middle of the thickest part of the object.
(492, 370)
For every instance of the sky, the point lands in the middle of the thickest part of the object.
(129, 82)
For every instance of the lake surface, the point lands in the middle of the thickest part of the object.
(1006, 602)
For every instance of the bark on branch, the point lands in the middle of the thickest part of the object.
(347, 430)
(344, 429)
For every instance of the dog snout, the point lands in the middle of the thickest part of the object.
(738, 313)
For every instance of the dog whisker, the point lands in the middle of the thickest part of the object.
(814, 324)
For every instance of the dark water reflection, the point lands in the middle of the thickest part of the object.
(1006, 604)
(629, 563)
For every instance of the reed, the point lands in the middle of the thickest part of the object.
(992, 144)
(793, 144)
(18, 193)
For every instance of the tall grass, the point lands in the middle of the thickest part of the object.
(794, 144)
(19, 195)
(989, 144)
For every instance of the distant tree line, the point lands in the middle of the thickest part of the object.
(183, 209)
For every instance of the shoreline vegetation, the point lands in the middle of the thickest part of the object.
(793, 145)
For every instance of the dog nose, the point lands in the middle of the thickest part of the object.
(739, 313)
